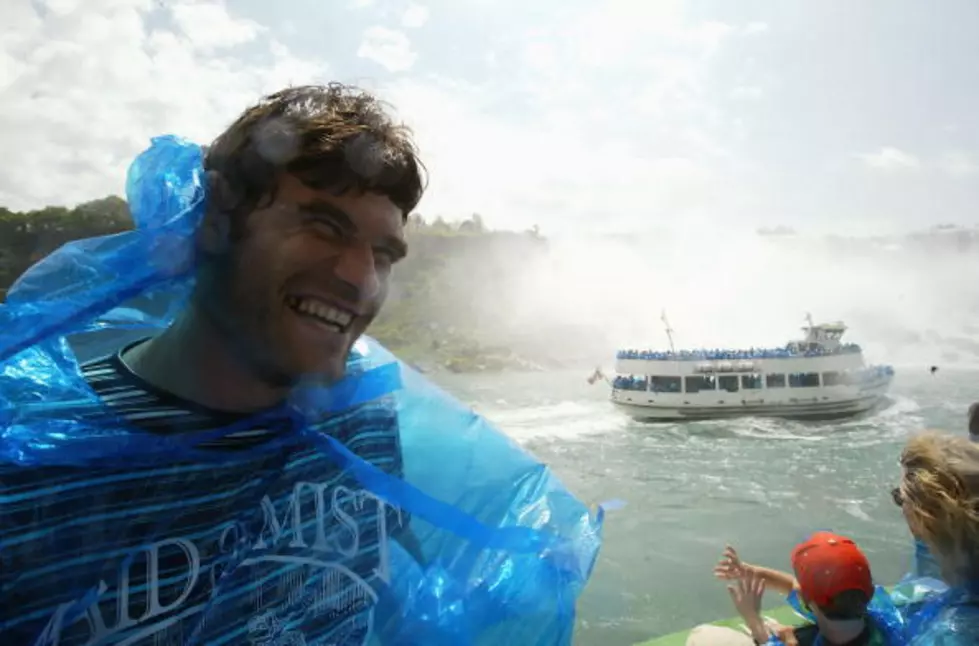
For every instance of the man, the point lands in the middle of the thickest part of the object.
(832, 579)
(309, 192)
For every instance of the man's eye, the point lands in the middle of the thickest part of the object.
(385, 256)
(329, 228)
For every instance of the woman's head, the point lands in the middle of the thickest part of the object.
(939, 495)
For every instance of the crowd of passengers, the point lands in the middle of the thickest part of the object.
(720, 354)
(831, 585)
(734, 382)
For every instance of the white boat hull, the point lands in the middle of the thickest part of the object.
(816, 404)
(816, 378)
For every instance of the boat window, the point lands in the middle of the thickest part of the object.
(775, 380)
(833, 378)
(804, 380)
(728, 383)
(750, 382)
(696, 383)
(630, 382)
(666, 384)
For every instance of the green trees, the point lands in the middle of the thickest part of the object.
(26, 237)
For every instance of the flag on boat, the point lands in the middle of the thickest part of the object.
(595, 376)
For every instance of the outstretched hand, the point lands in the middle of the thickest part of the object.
(746, 594)
(730, 567)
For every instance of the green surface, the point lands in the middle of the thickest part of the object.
(901, 594)
(784, 615)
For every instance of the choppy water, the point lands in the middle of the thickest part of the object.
(760, 485)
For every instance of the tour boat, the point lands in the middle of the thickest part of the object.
(816, 378)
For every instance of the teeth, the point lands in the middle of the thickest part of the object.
(322, 311)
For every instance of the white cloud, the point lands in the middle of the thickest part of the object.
(84, 87)
(542, 56)
(387, 47)
(708, 36)
(207, 26)
(414, 16)
(959, 164)
(567, 154)
(890, 159)
(747, 93)
(559, 114)
(552, 173)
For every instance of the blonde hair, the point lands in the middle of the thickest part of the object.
(940, 492)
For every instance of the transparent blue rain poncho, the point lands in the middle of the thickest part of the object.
(883, 612)
(507, 549)
(918, 611)
(946, 618)
(936, 614)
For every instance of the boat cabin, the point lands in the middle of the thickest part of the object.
(819, 338)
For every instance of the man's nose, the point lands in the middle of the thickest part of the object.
(356, 266)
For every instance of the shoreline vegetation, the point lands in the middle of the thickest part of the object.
(434, 320)
(461, 301)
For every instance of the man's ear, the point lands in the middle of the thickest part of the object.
(214, 233)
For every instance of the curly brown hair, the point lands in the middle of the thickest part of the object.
(334, 137)
(940, 498)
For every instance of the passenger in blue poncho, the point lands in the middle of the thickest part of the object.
(308, 195)
(939, 496)
(925, 564)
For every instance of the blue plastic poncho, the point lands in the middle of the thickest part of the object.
(882, 611)
(948, 616)
(924, 564)
(504, 550)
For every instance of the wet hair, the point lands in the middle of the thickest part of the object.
(333, 137)
(940, 492)
(847, 605)
(974, 420)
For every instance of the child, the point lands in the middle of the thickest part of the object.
(833, 580)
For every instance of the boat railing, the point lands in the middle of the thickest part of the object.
(753, 382)
(717, 354)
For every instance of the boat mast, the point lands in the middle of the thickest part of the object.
(669, 331)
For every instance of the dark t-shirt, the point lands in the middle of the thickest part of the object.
(807, 635)
(277, 550)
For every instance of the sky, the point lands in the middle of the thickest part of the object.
(624, 117)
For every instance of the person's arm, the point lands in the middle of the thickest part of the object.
(732, 567)
(746, 594)
(781, 582)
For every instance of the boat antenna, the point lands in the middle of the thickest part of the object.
(669, 331)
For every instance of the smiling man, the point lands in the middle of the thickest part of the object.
(308, 195)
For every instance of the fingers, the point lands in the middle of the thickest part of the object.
(754, 583)
(729, 566)
(744, 587)
(731, 553)
(735, 595)
(724, 572)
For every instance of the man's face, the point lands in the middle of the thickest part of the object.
(305, 279)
